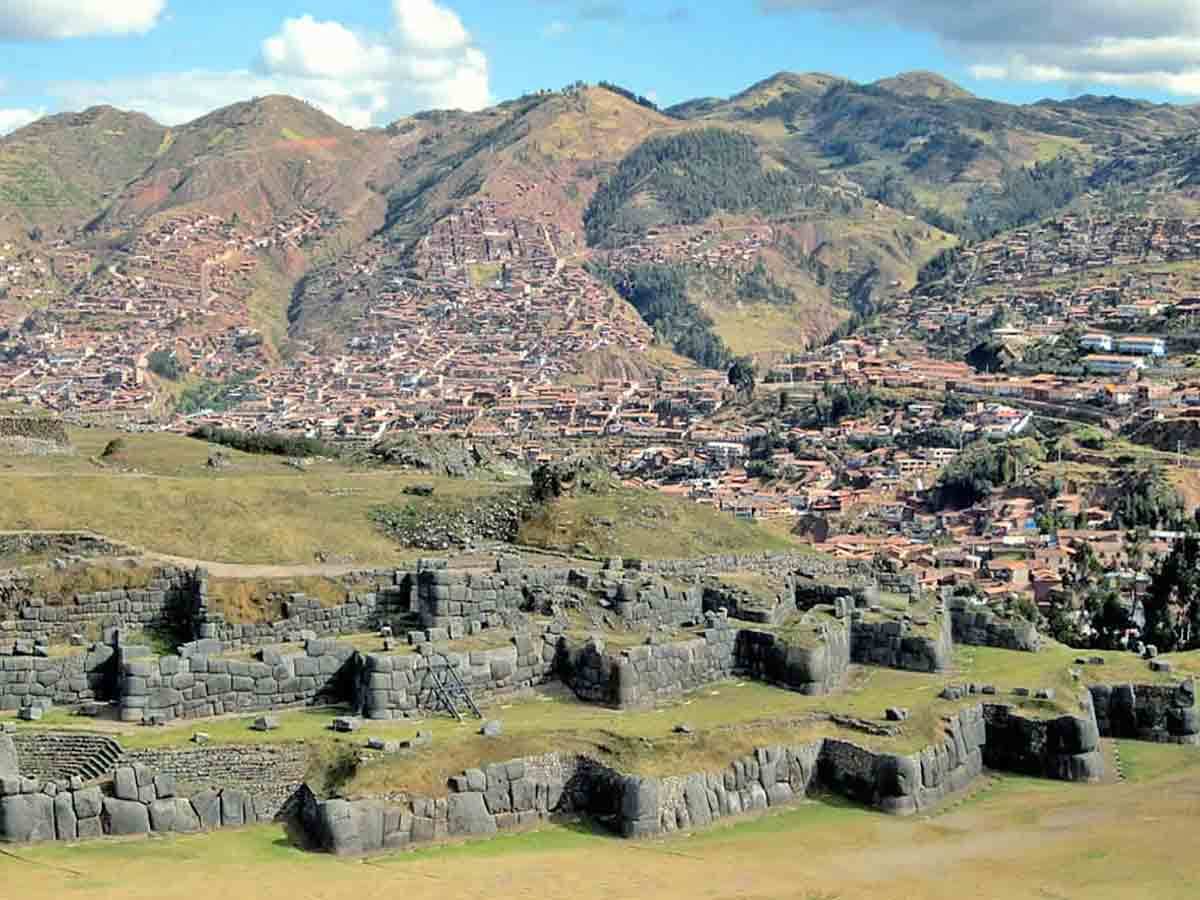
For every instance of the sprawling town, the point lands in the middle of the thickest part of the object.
(486, 331)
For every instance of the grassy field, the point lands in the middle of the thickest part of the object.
(647, 526)
(1017, 839)
(158, 494)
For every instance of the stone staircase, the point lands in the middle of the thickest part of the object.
(58, 755)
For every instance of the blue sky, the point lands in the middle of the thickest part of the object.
(368, 61)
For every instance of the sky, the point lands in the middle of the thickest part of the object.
(369, 62)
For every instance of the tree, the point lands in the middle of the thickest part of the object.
(1146, 498)
(1172, 603)
(742, 376)
(953, 407)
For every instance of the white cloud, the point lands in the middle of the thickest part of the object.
(12, 119)
(1141, 44)
(424, 25)
(556, 29)
(427, 60)
(56, 19)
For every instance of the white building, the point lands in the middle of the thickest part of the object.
(1113, 365)
(1096, 341)
(1142, 346)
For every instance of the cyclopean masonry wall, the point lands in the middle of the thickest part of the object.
(811, 663)
(978, 626)
(62, 681)
(384, 597)
(464, 602)
(1148, 712)
(164, 601)
(394, 686)
(893, 643)
(650, 601)
(499, 797)
(648, 674)
(160, 689)
(481, 802)
(1065, 748)
(138, 801)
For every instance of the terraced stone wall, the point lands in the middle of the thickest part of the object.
(1066, 748)
(161, 689)
(269, 774)
(165, 601)
(395, 686)
(812, 659)
(523, 792)
(465, 602)
(981, 627)
(516, 794)
(1148, 712)
(61, 681)
(902, 645)
(138, 801)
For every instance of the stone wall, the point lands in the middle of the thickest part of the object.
(1065, 748)
(61, 681)
(465, 602)
(749, 606)
(976, 625)
(305, 617)
(269, 774)
(523, 792)
(771, 776)
(138, 801)
(651, 601)
(164, 601)
(393, 686)
(1148, 712)
(899, 644)
(806, 564)
(481, 802)
(811, 663)
(645, 675)
(160, 689)
(904, 784)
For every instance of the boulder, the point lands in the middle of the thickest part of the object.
(467, 814)
(186, 819)
(89, 803)
(126, 816)
(162, 816)
(208, 809)
(66, 823)
(125, 786)
(27, 818)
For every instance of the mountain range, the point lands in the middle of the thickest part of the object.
(858, 186)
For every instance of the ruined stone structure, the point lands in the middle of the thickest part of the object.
(522, 792)
(24, 617)
(975, 625)
(160, 689)
(1163, 713)
(814, 662)
(901, 644)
